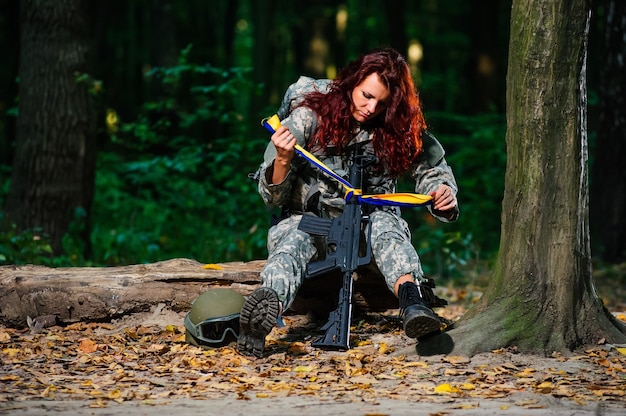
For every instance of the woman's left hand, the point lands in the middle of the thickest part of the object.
(443, 198)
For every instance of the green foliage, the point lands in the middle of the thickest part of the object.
(174, 182)
(475, 149)
(29, 247)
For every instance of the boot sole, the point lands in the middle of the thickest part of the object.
(257, 318)
(421, 325)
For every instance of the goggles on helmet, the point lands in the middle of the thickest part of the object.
(214, 330)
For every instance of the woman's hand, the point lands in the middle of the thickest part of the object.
(285, 143)
(443, 198)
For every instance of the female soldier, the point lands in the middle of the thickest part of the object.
(373, 104)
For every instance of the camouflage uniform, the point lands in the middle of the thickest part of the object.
(307, 190)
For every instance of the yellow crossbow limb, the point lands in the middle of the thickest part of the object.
(397, 199)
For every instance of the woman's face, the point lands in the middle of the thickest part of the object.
(369, 98)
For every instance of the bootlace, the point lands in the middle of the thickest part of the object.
(409, 295)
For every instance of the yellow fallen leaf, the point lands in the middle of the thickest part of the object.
(115, 394)
(11, 352)
(621, 350)
(446, 388)
(383, 348)
(303, 369)
(545, 387)
(212, 266)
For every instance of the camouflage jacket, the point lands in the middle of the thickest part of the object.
(308, 189)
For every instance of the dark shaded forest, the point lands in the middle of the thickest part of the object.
(177, 90)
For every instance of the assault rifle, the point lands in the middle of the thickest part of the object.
(343, 240)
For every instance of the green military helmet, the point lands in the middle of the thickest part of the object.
(213, 320)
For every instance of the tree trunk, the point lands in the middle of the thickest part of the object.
(88, 294)
(54, 165)
(609, 177)
(541, 297)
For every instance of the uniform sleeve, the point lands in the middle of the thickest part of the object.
(428, 178)
(301, 123)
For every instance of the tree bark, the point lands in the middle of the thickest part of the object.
(541, 297)
(54, 166)
(89, 294)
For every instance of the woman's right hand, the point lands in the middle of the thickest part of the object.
(285, 143)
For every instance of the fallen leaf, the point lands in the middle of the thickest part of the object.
(87, 346)
(11, 352)
(446, 388)
(456, 359)
(545, 387)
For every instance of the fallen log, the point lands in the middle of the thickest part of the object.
(101, 294)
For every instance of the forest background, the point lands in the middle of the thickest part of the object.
(180, 87)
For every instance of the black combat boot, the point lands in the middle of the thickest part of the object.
(258, 316)
(418, 320)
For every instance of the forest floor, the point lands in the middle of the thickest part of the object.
(141, 365)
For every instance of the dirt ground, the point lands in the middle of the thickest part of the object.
(313, 406)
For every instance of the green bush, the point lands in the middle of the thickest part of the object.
(29, 247)
(174, 182)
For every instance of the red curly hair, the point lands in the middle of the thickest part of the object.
(397, 131)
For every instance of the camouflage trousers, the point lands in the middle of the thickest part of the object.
(290, 250)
